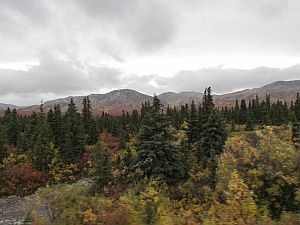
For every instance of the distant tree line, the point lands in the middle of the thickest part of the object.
(71, 131)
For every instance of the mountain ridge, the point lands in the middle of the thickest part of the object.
(116, 101)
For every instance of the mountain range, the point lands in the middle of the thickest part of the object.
(125, 99)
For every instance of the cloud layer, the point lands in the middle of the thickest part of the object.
(56, 78)
(82, 47)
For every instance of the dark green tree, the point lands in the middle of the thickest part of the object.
(243, 111)
(54, 120)
(73, 141)
(193, 124)
(13, 128)
(103, 167)
(212, 136)
(41, 157)
(213, 139)
(237, 115)
(3, 141)
(157, 155)
(250, 120)
(89, 123)
(206, 110)
(297, 107)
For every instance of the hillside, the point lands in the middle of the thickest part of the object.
(177, 99)
(5, 106)
(113, 102)
(116, 101)
(282, 90)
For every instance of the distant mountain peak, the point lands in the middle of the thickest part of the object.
(127, 99)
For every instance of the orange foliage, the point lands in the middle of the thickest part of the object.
(111, 142)
(23, 179)
(119, 216)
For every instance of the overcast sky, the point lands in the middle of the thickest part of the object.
(56, 48)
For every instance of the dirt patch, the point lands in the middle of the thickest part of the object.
(14, 209)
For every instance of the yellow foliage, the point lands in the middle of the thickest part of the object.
(240, 208)
(88, 217)
(14, 159)
(267, 162)
(61, 172)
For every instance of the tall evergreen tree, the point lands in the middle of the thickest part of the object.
(297, 107)
(3, 141)
(212, 143)
(237, 112)
(193, 124)
(103, 167)
(157, 155)
(250, 119)
(208, 103)
(41, 157)
(73, 141)
(13, 128)
(207, 108)
(89, 123)
(243, 114)
(212, 137)
(54, 120)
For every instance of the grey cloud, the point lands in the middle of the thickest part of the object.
(82, 30)
(34, 10)
(148, 25)
(138, 27)
(57, 78)
(268, 9)
(224, 80)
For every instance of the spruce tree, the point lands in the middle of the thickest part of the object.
(208, 103)
(206, 110)
(89, 123)
(212, 136)
(193, 124)
(54, 120)
(13, 128)
(103, 167)
(157, 155)
(28, 135)
(3, 141)
(213, 139)
(42, 146)
(86, 113)
(243, 110)
(297, 107)
(73, 141)
(237, 112)
(250, 120)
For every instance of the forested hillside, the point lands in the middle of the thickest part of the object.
(116, 101)
(194, 164)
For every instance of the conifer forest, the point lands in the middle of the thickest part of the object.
(197, 164)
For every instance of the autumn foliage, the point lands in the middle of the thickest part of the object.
(22, 179)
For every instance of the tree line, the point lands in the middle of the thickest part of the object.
(71, 131)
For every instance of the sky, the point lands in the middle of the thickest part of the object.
(55, 48)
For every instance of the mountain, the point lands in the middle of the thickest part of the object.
(113, 102)
(116, 101)
(178, 99)
(5, 106)
(282, 90)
